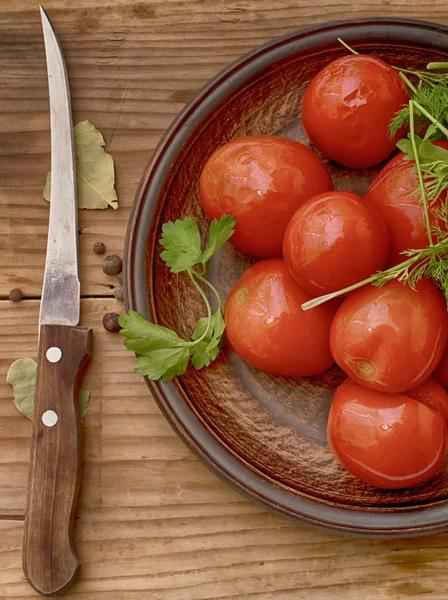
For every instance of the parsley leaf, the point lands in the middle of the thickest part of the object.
(430, 152)
(405, 145)
(203, 353)
(220, 232)
(182, 244)
(162, 354)
(142, 336)
(433, 162)
(163, 363)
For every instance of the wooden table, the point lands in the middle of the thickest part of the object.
(153, 523)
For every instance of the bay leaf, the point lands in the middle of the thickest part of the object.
(22, 377)
(84, 397)
(95, 175)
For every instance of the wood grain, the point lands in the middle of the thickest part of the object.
(132, 66)
(154, 524)
(50, 562)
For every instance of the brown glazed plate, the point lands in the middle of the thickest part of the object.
(266, 435)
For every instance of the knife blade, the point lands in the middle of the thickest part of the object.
(50, 562)
(61, 289)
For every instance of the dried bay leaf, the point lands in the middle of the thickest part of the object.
(84, 397)
(22, 377)
(95, 176)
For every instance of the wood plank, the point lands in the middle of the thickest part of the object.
(123, 426)
(153, 523)
(169, 561)
(132, 67)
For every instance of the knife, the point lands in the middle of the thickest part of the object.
(50, 562)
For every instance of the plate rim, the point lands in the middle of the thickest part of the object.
(191, 428)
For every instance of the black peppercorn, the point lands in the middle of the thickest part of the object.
(118, 293)
(110, 322)
(112, 265)
(99, 248)
(15, 295)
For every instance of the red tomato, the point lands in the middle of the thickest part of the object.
(347, 109)
(390, 338)
(441, 373)
(432, 395)
(266, 326)
(261, 180)
(395, 193)
(387, 440)
(333, 240)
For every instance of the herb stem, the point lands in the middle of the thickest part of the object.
(432, 79)
(410, 85)
(429, 116)
(419, 171)
(212, 287)
(437, 65)
(341, 41)
(327, 297)
(410, 71)
(207, 303)
(386, 275)
(400, 272)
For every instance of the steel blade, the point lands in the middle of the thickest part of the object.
(61, 289)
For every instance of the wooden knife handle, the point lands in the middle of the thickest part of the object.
(50, 562)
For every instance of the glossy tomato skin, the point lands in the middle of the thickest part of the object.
(347, 109)
(261, 180)
(334, 240)
(433, 395)
(441, 373)
(266, 326)
(395, 193)
(390, 338)
(387, 440)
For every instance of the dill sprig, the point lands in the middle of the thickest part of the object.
(428, 103)
(433, 161)
(433, 99)
(431, 167)
(430, 95)
(431, 262)
(427, 263)
(428, 77)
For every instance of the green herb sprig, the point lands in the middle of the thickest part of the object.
(429, 101)
(430, 95)
(425, 76)
(431, 262)
(162, 353)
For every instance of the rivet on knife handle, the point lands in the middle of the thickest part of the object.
(50, 562)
